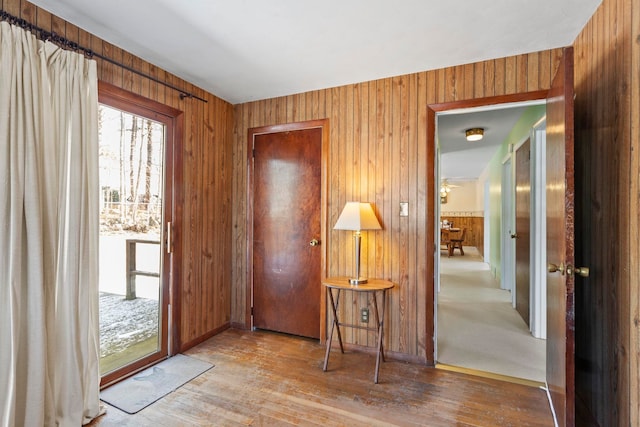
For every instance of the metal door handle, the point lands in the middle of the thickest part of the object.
(169, 242)
(580, 271)
(552, 268)
(515, 236)
(314, 242)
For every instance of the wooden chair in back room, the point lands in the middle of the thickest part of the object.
(456, 242)
(445, 241)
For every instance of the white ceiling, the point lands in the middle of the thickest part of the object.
(245, 50)
(461, 160)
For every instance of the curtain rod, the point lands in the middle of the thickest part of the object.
(68, 44)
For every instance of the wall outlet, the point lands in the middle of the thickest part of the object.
(364, 315)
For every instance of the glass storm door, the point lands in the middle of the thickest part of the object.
(133, 299)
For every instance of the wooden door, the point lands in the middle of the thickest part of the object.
(523, 227)
(560, 247)
(286, 220)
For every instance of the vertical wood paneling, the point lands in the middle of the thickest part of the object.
(12, 7)
(533, 72)
(206, 264)
(369, 188)
(499, 77)
(355, 122)
(522, 77)
(378, 152)
(475, 229)
(427, 93)
(239, 269)
(127, 76)
(633, 10)
(439, 77)
(607, 179)
(469, 81)
(411, 181)
(510, 76)
(28, 11)
(478, 79)
(544, 66)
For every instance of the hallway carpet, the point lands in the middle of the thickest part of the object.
(477, 326)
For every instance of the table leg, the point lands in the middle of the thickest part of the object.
(379, 320)
(380, 323)
(335, 323)
(335, 317)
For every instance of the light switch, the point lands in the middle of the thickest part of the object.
(404, 208)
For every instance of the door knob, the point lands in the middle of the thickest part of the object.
(580, 271)
(515, 236)
(552, 268)
(314, 242)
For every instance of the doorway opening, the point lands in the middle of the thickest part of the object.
(477, 325)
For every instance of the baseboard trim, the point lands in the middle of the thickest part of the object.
(186, 346)
(491, 375)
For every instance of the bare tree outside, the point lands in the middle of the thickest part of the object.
(121, 206)
(147, 176)
(126, 206)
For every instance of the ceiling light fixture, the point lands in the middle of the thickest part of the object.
(474, 134)
(445, 187)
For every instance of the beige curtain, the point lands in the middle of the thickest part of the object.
(49, 338)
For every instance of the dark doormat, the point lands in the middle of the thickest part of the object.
(144, 388)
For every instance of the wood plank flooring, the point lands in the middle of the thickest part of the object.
(269, 379)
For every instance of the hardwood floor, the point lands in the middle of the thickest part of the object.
(269, 379)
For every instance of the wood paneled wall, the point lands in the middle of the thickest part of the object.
(475, 229)
(379, 153)
(607, 132)
(204, 284)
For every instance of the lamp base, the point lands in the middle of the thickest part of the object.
(360, 281)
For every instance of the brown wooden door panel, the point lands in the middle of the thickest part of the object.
(523, 227)
(286, 217)
(560, 248)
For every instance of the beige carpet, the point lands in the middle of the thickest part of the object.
(477, 326)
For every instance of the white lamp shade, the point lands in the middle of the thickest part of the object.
(357, 216)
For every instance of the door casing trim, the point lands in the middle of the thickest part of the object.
(430, 226)
(174, 124)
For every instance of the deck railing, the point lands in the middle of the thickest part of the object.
(131, 270)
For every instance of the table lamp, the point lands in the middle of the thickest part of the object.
(357, 216)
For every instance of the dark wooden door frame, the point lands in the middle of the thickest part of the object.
(324, 166)
(430, 226)
(174, 121)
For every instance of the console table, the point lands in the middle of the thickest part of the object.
(372, 287)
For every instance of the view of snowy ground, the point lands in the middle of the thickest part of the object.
(125, 322)
(122, 322)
